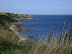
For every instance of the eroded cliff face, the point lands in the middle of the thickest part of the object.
(9, 29)
(23, 40)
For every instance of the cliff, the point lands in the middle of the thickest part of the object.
(16, 16)
(9, 28)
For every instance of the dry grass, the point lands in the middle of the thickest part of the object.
(54, 46)
(12, 51)
(7, 35)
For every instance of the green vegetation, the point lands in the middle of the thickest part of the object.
(14, 16)
(8, 36)
(5, 19)
(9, 48)
(8, 43)
(8, 39)
(53, 44)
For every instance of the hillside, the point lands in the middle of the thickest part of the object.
(9, 28)
(8, 18)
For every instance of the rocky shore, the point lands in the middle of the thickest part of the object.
(16, 27)
(23, 40)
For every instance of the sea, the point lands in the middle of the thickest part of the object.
(42, 25)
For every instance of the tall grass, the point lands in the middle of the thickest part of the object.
(9, 43)
(54, 44)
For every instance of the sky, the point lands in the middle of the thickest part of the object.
(37, 7)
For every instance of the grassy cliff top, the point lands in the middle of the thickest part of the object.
(7, 18)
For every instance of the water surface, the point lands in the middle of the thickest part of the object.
(43, 24)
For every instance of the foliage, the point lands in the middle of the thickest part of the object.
(5, 21)
(9, 48)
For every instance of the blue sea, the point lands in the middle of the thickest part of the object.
(41, 25)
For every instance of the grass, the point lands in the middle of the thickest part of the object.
(8, 39)
(5, 21)
(9, 48)
(11, 15)
(52, 44)
(9, 43)
(7, 35)
(7, 18)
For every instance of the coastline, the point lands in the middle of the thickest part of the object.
(28, 18)
(23, 40)
(16, 27)
(12, 42)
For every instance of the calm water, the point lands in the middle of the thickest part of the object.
(43, 24)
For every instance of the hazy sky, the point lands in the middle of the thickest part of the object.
(37, 7)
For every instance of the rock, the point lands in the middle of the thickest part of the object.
(23, 40)
(13, 35)
(26, 41)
